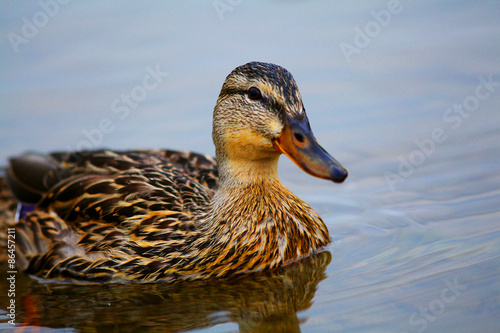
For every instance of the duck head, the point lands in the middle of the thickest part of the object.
(259, 115)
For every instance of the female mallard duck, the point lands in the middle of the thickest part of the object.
(165, 215)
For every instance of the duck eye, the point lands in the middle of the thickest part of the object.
(254, 93)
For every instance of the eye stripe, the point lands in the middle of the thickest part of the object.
(272, 101)
(231, 91)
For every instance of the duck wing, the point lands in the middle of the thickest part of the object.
(31, 175)
(104, 213)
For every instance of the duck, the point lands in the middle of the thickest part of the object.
(149, 216)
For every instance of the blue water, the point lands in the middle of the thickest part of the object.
(399, 94)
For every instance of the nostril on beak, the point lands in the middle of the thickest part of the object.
(299, 137)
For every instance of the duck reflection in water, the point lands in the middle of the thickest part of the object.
(266, 302)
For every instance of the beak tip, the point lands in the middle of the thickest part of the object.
(339, 175)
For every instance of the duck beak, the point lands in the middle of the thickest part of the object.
(299, 144)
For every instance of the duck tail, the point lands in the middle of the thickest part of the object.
(31, 175)
(25, 180)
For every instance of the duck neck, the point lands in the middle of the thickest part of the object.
(246, 188)
(238, 173)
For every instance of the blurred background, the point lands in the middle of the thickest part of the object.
(405, 94)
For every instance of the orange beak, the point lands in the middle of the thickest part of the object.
(299, 144)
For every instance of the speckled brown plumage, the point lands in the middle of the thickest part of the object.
(166, 215)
